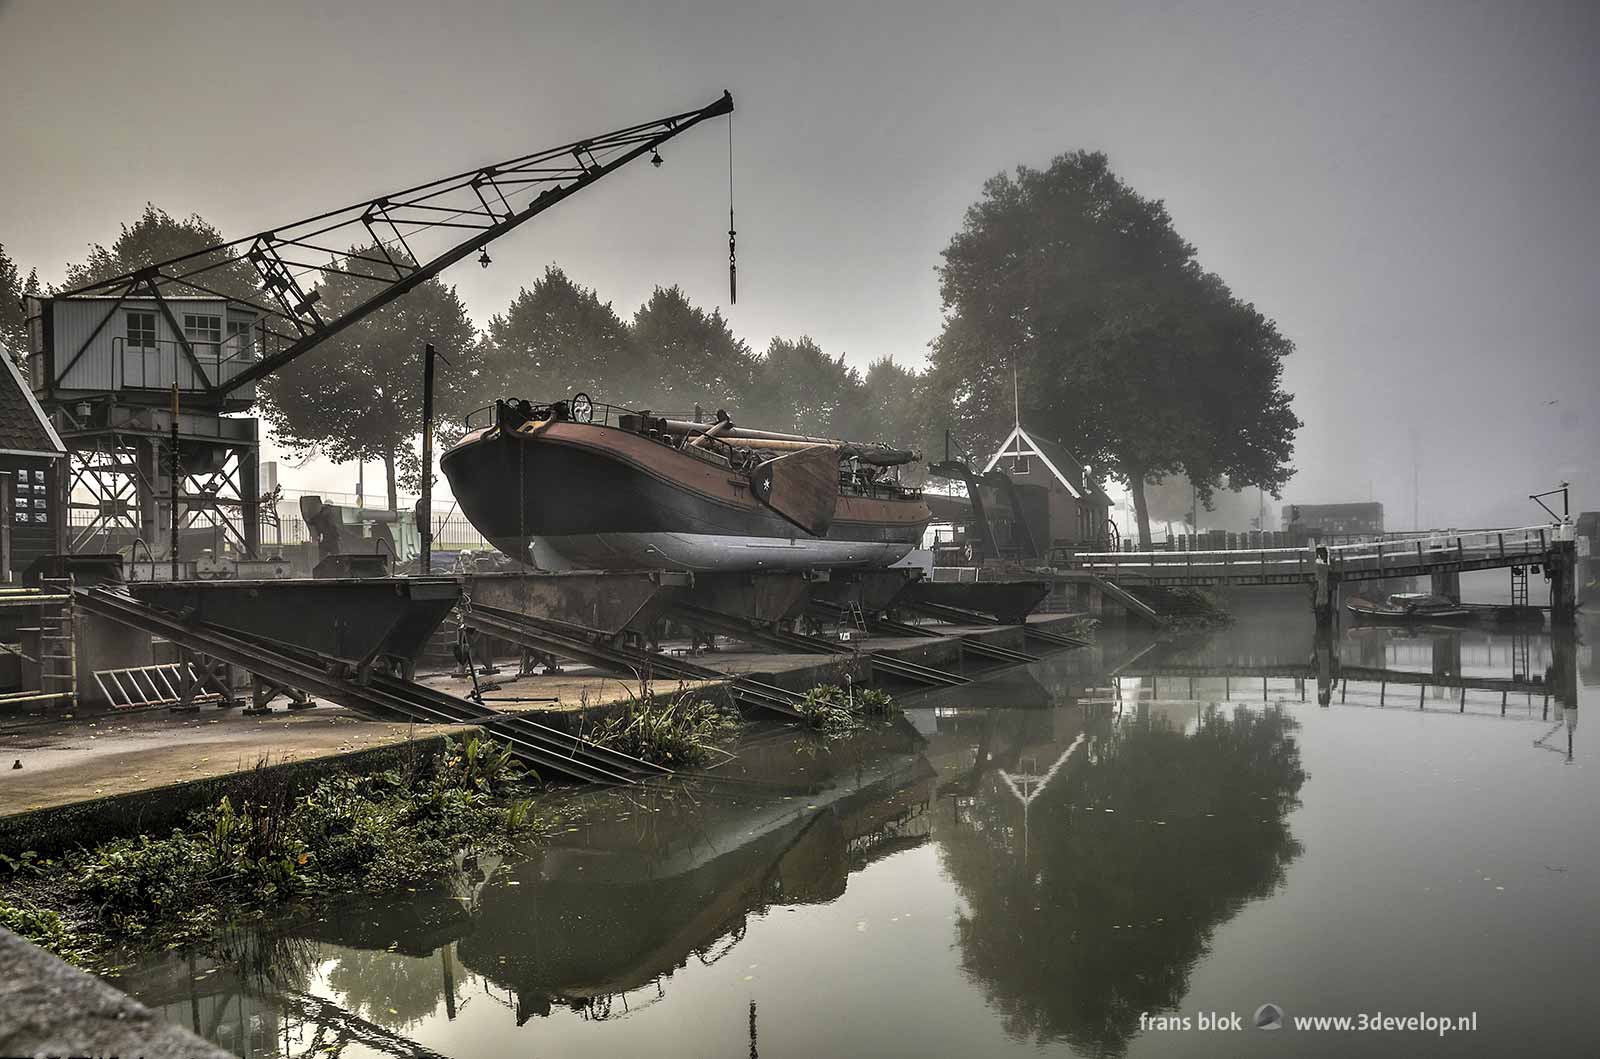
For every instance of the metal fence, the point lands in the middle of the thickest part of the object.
(451, 531)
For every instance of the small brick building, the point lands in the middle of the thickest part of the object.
(33, 472)
(1071, 508)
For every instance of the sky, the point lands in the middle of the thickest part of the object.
(1406, 188)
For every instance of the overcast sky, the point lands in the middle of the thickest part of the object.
(1407, 188)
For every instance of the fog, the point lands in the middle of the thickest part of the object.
(1407, 189)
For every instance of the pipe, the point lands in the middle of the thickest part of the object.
(870, 453)
(716, 430)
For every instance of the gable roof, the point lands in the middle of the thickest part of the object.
(1066, 467)
(24, 428)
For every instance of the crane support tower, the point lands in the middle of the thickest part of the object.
(130, 366)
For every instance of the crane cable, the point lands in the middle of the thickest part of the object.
(733, 267)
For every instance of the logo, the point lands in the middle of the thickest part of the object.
(1269, 1017)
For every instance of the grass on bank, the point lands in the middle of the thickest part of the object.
(832, 709)
(276, 843)
(678, 730)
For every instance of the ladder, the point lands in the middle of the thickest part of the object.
(1519, 586)
(1521, 650)
(58, 647)
(857, 617)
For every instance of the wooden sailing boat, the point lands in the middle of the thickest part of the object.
(574, 485)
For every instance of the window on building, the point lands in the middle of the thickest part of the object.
(239, 338)
(202, 328)
(1019, 465)
(141, 330)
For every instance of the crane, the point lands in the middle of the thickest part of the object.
(465, 212)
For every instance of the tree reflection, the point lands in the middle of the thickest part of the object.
(1078, 918)
(386, 988)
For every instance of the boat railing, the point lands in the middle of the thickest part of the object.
(606, 415)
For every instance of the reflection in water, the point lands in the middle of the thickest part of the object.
(1515, 673)
(1094, 883)
(655, 881)
(1096, 819)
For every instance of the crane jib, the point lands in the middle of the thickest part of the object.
(564, 171)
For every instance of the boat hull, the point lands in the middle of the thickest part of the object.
(1398, 616)
(580, 496)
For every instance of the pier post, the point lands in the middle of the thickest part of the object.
(1324, 589)
(1563, 677)
(1446, 583)
(1326, 660)
(1561, 570)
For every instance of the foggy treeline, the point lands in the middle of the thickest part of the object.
(1069, 299)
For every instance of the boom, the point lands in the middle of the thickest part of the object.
(469, 209)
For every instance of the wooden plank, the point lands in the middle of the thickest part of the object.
(802, 486)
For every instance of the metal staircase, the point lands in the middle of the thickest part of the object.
(154, 685)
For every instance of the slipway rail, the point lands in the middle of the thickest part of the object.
(571, 641)
(373, 694)
(1364, 561)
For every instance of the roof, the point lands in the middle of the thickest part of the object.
(24, 428)
(137, 298)
(1064, 465)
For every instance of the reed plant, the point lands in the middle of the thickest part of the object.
(679, 729)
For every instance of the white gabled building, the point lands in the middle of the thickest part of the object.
(1072, 504)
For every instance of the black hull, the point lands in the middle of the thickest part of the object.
(539, 500)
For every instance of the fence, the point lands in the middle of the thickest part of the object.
(451, 532)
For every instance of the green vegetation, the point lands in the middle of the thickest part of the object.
(1147, 365)
(677, 730)
(832, 709)
(347, 833)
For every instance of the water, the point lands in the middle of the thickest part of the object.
(1033, 864)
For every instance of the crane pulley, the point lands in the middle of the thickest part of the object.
(464, 212)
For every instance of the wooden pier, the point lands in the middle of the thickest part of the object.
(1322, 568)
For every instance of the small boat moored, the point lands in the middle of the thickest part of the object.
(1408, 607)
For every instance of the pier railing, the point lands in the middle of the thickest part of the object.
(1478, 549)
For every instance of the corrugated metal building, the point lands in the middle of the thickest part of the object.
(137, 348)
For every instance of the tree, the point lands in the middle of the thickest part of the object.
(891, 405)
(557, 338)
(1173, 499)
(690, 357)
(359, 395)
(157, 236)
(797, 387)
(1119, 340)
(13, 316)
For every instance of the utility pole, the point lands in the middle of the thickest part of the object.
(175, 471)
(425, 505)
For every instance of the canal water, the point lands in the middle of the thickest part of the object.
(1070, 858)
